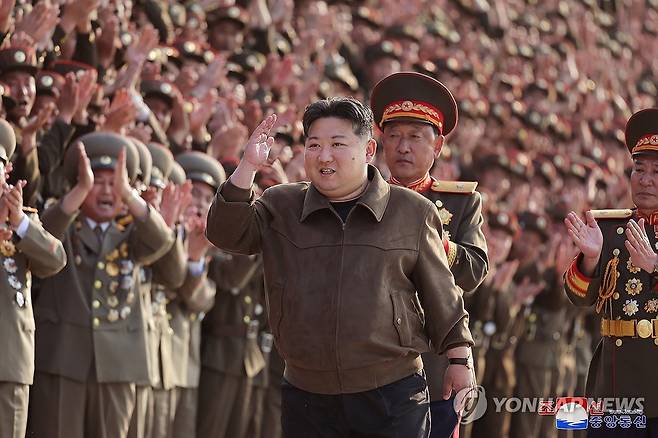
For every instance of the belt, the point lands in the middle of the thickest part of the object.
(643, 328)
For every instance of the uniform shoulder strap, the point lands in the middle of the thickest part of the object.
(463, 187)
(621, 213)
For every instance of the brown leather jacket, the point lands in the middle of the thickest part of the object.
(351, 305)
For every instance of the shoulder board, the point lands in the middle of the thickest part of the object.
(30, 210)
(621, 213)
(465, 187)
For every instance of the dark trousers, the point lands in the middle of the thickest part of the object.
(651, 431)
(444, 418)
(396, 410)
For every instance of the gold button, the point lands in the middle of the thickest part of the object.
(618, 342)
(620, 230)
(247, 299)
(532, 317)
(98, 284)
(615, 252)
(246, 319)
(398, 321)
(100, 265)
(96, 304)
(97, 322)
(170, 316)
(615, 295)
(439, 203)
(655, 341)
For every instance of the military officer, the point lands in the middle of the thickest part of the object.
(415, 113)
(25, 249)
(615, 272)
(92, 343)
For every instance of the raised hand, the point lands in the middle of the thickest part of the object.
(85, 174)
(6, 7)
(197, 243)
(586, 236)
(121, 113)
(121, 187)
(258, 146)
(639, 247)
(13, 198)
(87, 87)
(69, 98)
(40, 22)
(138, 51)
(77, 13)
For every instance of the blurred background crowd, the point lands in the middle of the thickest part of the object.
(544, 89)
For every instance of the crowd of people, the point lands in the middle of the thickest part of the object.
(164, 335)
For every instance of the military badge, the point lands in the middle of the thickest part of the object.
(123, 250)
(114, 285)
(445, 216)
(130, 298)
(112, 269)
(631, 267)
(13, 282)
(127, 267)
(633, 286)
(630, 308)
(126, 282)
(112, 301)
(112, 256)
(7, 248)
(651, 306)
(10, 265)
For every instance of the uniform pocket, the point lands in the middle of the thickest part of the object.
(401, 319)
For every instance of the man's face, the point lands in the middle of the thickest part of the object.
(382, 68)
(202, 196)
(226, 36)
(161, 110)
(23, 91)
(410, 149)
(335, 158)
(644, 183)
(41, 102)
(499, 244)
(102, 204)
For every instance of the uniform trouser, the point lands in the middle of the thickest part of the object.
(532, 382)
(186, 412)
(224, 402)
(272, 412)
(399, 409)
(257, 410)
(14, 398)
(65, 408)
(164, 405)
(141, 420)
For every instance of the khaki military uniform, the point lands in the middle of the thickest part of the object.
(38, 253)
(231, 356)
(93, 335)
(460, 208)
(624, 296)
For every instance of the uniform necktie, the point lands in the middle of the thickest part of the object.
(98, 231)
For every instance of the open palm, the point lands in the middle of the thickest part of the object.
(258, 146)
(587, 236)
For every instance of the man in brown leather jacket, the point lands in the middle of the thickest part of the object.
(358, 282)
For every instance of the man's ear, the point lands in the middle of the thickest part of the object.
(438, 145)
(371, 149)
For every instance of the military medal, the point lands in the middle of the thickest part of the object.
(114, 285)
(445, 216)
(9, 265)
(112, 269)
(112, 256)
(633, 286)
(651, 306)
(112, 315)
(123, 250)
(7, 248)
(130, 298)
(125, 312)
(630, 308)
(112, 301)
(13, 282)
(127, 267)
(20, 299)
(126, 282)
(631, 267)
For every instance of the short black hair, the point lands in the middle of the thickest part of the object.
(346, 108)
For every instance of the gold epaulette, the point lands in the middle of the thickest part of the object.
(124, 221)
(621, 213)
(464, 187)
(30, 210)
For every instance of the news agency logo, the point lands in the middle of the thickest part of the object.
(571, 413)
(471, 403)
(580, 413)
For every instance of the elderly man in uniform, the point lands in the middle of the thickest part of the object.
(92, 340)
(415, 113)
(25, 249)
(615, 271)
(358, 282)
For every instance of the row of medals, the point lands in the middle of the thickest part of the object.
(8, 250)
(114, 268)
(634, 285)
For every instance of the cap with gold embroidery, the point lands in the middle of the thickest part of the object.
(642, 132)
(234, 14)
(414, 97)
(63, 67)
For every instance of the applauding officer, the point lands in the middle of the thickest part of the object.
(25, 248)
(616, 272)
(92, 341)
(358, 282)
